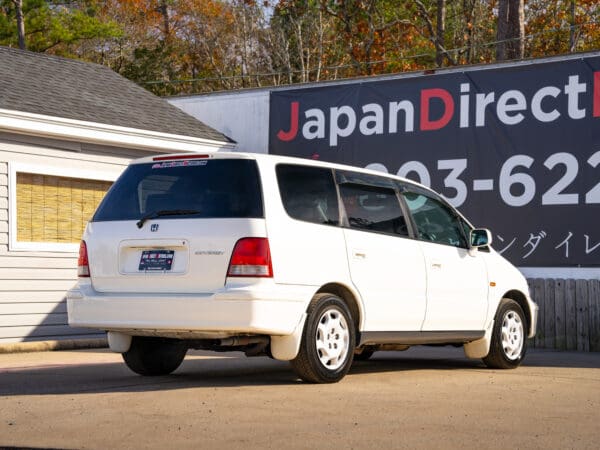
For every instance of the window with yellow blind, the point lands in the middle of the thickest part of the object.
(55, 209)
(49, 211)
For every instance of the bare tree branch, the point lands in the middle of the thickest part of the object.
(432, 32)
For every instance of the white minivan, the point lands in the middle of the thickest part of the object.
(315, 263)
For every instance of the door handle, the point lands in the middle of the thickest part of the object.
(436, 265)
(360, 255)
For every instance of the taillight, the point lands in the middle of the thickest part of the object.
(83, 265)
(251, 258)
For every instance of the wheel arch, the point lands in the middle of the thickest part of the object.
(351, 299)
(521, 299)
(285, 348)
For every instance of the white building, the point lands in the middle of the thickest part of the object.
(67, 130)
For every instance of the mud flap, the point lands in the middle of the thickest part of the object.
(119, 342)
(285, 348)
(481, 347)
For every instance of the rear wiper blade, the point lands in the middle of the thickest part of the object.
(165, 212)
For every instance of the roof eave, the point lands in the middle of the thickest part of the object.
(99, 133)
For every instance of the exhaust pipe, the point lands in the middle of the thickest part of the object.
(240, 341)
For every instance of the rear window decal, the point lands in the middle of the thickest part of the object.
(187, 163)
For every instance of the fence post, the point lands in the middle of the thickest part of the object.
(549, 321)
(538, 296)
(594, 314)
(581, 296)
(571, 314)
(560, 328)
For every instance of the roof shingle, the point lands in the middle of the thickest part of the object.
(53, 86)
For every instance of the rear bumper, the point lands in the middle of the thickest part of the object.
(262, 308)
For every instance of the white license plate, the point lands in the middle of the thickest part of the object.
(156, 260)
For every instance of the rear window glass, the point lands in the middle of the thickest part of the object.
(227, 188)
(308, 193)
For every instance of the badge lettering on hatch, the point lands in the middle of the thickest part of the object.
(209, 252)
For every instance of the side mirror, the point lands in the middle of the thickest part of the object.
(480, 237)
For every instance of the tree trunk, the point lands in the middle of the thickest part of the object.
(164, 11)
(470, 19)
(511, 30)
(20, 23)
(572, 35)
(502, 30)
(320, 35)
(516, 20)
(440, 29)
(302, 51)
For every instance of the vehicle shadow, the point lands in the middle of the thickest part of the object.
(195, 372)
(234, 370)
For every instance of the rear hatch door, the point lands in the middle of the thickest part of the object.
(170, 226)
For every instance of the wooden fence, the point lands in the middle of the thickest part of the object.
(569, 316)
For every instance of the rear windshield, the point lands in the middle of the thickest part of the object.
(228, 188)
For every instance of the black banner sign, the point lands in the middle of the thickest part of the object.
(515, 147)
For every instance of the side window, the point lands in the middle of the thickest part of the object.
(435, 221)
(373, 208)
(308, 193)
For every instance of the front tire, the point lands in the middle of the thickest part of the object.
(151, 356)
(509, 337)
(328, 340)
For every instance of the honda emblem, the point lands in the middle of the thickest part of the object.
(154, 227)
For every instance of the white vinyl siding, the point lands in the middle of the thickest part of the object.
(32, 297)
(3, 207)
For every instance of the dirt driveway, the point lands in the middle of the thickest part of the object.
(425, 398)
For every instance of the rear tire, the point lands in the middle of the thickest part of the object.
(327, 345)
(509, 337)
(152, 356)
